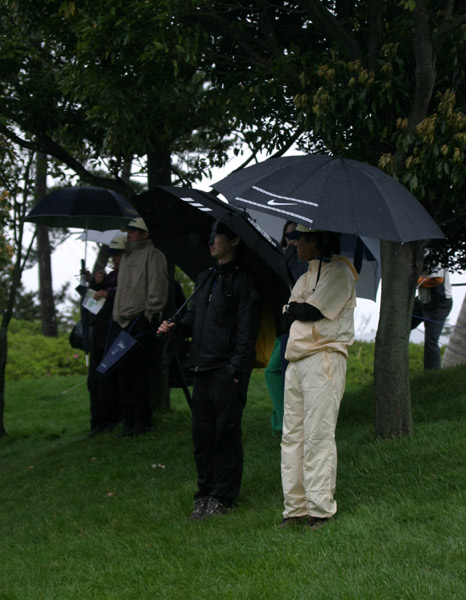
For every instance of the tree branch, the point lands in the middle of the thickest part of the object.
(48, 146)
(332, 28)
(426, 72)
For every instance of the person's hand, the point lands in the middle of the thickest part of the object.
(100, 294)
(99, 276)
(166, 327)
(86, 274)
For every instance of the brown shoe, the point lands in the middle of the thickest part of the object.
(316, 522)
(292, 522)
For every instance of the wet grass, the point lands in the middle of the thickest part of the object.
(106, 518)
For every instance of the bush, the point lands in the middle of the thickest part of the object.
(31, 355)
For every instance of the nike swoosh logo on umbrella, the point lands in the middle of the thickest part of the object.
(275, 203)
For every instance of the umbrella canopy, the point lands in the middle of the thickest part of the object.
(83, 208)
(101, 237)
(331, 193)
(180, 221)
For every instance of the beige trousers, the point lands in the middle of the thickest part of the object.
(314, 388)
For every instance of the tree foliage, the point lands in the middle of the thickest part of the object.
(383, 82)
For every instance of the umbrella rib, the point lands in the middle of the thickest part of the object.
(275, 209)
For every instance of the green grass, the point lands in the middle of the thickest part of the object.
(106, 518)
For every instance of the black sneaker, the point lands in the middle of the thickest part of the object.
(214, 508)
(316, 522)
(200, 505)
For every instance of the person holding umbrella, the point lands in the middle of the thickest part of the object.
(223, 320)
(104, 393)
(319, 315)
(140, 299)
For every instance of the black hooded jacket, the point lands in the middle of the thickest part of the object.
(224, 319)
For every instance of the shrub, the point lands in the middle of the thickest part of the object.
(31, 355)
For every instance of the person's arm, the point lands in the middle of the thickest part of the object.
(302, 311)
(157, 285)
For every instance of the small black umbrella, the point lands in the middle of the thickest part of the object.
(331, 193)
(83, 208)
(180, 221)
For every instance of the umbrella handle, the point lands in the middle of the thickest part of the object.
(174, 317)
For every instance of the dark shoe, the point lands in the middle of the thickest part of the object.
(292, 522)
(124, 432)
(316, 522)
(214, 508)
(200, 505)
(94, 431)
(111, 426)
(139, 430)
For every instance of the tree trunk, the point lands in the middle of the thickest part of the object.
(455, 352)
(401, 264)
(3, 359)
(6, 318)
(47, 304)
(159, 173)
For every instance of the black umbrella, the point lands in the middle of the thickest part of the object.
(83, 208)
(180, 221)
(331, 193)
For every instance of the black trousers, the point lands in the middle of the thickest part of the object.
(217, 409)
(134, 376)
(103, 390)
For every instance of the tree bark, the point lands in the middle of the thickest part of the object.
(401, 264)
(47, 303)
(455, 352)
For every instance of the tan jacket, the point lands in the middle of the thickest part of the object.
(142, 283)
(335, 297)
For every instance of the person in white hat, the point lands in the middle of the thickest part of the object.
(140, 299)
(320, 317)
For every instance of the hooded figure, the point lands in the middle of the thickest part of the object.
(320, 315)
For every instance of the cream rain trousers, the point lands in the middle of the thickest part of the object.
(314, 388)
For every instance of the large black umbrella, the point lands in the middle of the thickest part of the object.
(180, 221)
(331, 193)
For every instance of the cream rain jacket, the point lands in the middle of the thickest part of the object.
(335, 297)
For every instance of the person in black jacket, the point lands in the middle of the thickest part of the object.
(223, 320)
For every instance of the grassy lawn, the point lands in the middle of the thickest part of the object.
(106, 518)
